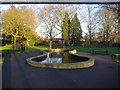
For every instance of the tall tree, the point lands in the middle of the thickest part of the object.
(19, 22)
(66, 29)
(115, 9)
(108, 25)
(51, 19)
(12, 22)
(75, 31)
(30, 24)
(87, 15)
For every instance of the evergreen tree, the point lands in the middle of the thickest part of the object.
(65, 29)
(75, 31)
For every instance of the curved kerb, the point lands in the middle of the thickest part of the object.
(83, 64)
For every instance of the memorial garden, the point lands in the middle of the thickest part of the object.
(60, 45)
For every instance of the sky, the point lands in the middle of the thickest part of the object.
(6, 6)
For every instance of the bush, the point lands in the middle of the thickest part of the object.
(32, 41)
(42, 43)
(93, 44)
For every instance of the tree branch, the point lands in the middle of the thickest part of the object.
(56, 34)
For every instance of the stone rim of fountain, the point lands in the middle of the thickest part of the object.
(83, 64)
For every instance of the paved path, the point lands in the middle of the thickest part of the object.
(106, 58)
(18, 74)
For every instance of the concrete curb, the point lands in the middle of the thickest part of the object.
(84, 64)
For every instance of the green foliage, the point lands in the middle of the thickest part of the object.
(93, 44)
(19, 23)
(72, 32)
(117, 61)
(75, 31)
(42, 43)
(32, 41)
(65, 27)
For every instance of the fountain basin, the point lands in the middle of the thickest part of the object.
(43, 61)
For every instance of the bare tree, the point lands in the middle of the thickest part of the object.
(109, 24)
(51, 18)
(87, 14)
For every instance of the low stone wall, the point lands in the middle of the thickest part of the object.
(42, 57)
(84, 64)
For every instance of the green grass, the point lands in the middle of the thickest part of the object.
(111, 50)
(117, 61)
(5, 47)
(27, 49)
(36, 48)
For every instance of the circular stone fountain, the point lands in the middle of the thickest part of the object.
(60, 59)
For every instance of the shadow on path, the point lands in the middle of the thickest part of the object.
(18, 74)
(6, 71)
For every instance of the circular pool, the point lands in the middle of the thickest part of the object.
(62, 59)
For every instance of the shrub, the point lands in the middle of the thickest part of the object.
(32, 41)
(42, 43)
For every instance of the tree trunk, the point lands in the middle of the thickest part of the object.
(63, 43)
(27, 43)
(50, 44)
(14, 42)
(107, 36)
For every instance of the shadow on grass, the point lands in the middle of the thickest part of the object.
(27, 49)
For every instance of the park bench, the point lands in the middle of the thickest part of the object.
(103, 51)
(115, 56)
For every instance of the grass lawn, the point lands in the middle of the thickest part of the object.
(27, 49)
(5, 47)
(111, 50)
(36, 48)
